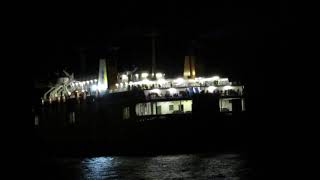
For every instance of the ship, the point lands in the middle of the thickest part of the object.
(137, 110)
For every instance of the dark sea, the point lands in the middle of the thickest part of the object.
(182, 166)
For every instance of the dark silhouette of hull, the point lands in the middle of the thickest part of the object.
(96, 126)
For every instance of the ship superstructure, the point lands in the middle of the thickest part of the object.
(161, 95)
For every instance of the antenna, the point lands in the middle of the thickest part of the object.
(153, 35)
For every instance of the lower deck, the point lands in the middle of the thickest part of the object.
(183, 106)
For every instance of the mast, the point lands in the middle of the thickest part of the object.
(153, 36)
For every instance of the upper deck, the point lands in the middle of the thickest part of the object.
(154, 89)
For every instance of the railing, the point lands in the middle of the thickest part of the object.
(225, 93)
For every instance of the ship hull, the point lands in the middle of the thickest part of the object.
(97, 126)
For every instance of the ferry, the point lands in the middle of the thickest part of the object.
(117, 109)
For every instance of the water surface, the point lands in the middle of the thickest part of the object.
(185, 166)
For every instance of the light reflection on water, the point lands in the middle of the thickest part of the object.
(93, 168)
(198, 166)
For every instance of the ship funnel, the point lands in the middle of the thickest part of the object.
(189, 67)
(102, 78)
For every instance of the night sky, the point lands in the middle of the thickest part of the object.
(230, 38)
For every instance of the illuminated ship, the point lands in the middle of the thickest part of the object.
(123, 109)
(145, 96)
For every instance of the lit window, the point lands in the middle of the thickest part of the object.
(171, 107)
(126, 113)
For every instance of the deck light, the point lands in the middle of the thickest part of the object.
(144, 75)
(211, 89)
